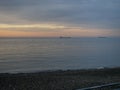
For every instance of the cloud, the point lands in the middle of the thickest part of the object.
(32, 26)
(77, 13)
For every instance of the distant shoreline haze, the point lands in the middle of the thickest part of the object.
(68, 36)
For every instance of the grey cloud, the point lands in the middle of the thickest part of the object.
(88, 13)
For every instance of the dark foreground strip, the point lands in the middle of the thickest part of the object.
(111, 85)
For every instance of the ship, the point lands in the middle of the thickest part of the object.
(61, 37)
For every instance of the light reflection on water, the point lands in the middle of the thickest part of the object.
(26, 55)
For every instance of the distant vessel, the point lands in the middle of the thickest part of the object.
(63, 37)
(102, 37)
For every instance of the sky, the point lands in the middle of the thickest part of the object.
(54, 18)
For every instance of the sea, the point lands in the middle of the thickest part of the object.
(20, 55)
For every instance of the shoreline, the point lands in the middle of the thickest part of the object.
(54, 70)
(59, 79)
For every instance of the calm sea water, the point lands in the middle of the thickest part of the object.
(31, 55)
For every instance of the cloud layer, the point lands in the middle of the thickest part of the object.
(94, 14)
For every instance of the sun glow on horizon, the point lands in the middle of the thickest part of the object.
(49, 30)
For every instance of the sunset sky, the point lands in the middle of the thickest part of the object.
(54, 18)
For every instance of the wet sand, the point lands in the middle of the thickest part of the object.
(59, 80)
